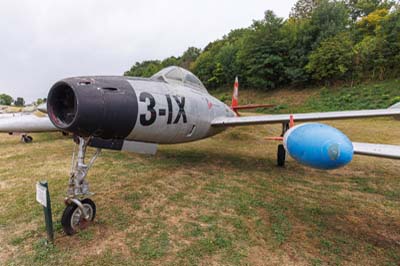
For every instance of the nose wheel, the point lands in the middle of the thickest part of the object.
(76, 217)
(79, 213)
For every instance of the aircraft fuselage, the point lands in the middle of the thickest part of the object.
(135, 109)
(174, 114)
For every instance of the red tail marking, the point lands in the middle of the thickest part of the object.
(235, 95)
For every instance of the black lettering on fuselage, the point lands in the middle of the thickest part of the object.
(180, 101)
(170, 110)
(181, 111)
(153, 114)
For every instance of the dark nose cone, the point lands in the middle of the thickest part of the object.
(103, 107)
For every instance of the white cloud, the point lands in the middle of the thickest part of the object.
(44, 41)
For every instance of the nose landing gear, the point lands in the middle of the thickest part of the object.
(80, 210)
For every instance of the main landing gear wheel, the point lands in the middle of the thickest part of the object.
(26, 139)
(281, 155)
(73, 219)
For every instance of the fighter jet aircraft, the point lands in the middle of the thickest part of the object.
(173, 106)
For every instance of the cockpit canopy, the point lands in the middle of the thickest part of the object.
(179, 76)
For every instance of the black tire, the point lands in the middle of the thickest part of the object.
(26, 139)
(71, 212)
(281, 155)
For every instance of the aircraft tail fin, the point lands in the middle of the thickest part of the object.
(235, 95)
(235, 101)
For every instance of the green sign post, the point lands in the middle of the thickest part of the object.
(43, 197)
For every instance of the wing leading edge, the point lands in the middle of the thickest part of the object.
(26, 123)
(271, 119)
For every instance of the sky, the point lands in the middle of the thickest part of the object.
(44, 41)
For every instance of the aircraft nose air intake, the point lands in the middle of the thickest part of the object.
(63, 106)
(319, 146)
(104, 107)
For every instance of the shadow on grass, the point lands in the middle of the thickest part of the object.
(196, 158)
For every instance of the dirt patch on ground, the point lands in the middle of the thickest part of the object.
(260, 256)
(5, 250)
(382, 233)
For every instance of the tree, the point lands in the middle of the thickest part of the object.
(311, 22)
(170, 61)
(19, 101)
(300, 41)
(321, 40)
(227, 63)
(332, 59)
(39, 101)
(362, 8)
(328, 19)
(5, 99)
(264, 53)
(144, 69)
(303, 9)
(205, 66)
(378, 51)
(189, 56)
(369, 24)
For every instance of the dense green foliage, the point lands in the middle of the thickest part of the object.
(40, 101)
(322, 41)
(19, 101)
(148, 68)
(5, 99)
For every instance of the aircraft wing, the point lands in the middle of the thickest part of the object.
(26, 123)
(379, 150)
(271, 119)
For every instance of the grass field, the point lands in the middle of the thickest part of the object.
(220, 201)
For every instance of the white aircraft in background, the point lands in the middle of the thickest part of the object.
(173, 106)
(23, 123)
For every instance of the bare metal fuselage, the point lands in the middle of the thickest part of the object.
(174, 123)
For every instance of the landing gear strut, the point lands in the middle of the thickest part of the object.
(80, 210)
(26, 138)
(281, 154)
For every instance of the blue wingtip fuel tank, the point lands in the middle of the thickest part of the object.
(319, 146)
